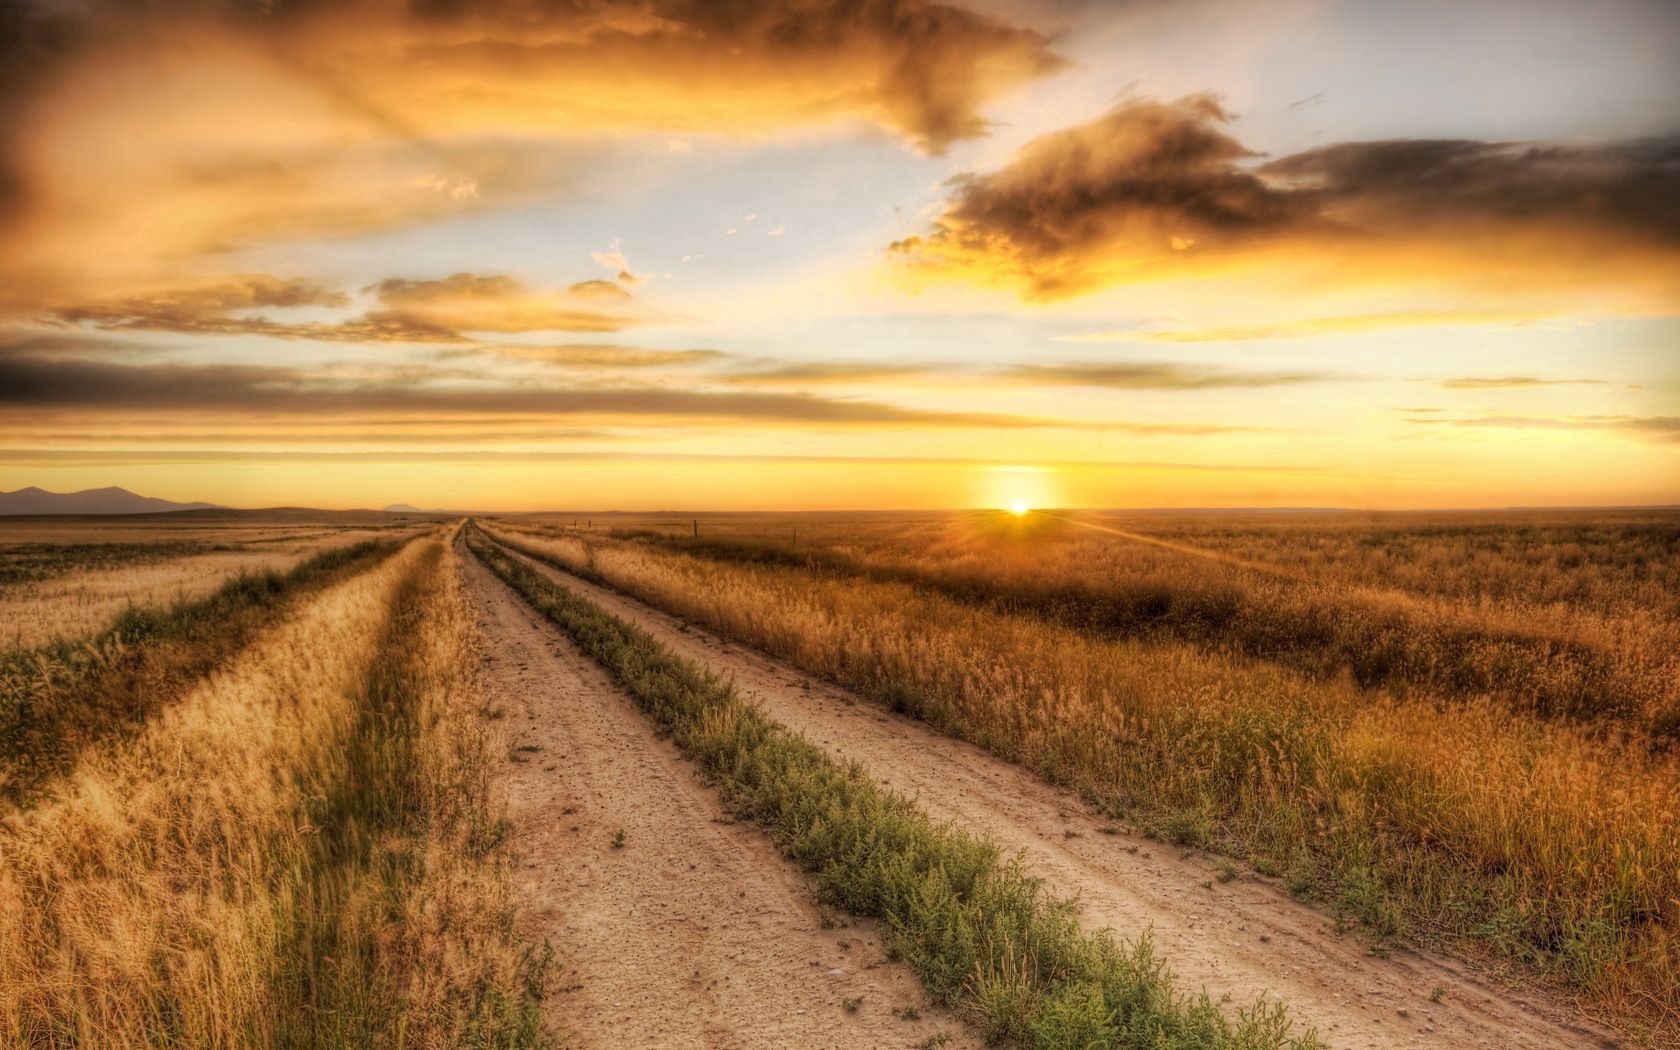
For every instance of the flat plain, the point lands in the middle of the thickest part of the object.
(1045, 779)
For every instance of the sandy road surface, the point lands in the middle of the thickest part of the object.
(694, 933)
(1240, 941)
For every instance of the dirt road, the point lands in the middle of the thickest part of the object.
(1240, 941)
(694, 932)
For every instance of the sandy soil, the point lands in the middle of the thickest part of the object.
(694, 933)
(1241, 941)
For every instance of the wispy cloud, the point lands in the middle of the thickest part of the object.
(410, 311)
(1310, 328)
(598, 355)
(1159, 375)
(1656, 428)
(820, 373)
(1509, 382)
(112, 457)
(33, 383)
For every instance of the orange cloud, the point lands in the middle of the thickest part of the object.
(428, 311)
(1155, 189)
(232, 124)
(918, 67)
(466, 302)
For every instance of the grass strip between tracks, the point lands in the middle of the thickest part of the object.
(983, 935)
(409, 865)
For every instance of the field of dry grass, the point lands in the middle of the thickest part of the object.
(270, 813)
(1455, 731)
(69, 579)
(304, 848)
(1557, 614)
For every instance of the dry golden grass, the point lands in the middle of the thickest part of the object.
(1470, 823)
(78, 602)
(303, 851)
(1563, 614)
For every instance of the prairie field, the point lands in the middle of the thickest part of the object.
(1040, 780)
(1456, 731)
(294, 840)
(67, 579)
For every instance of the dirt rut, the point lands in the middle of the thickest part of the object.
(1241, 941)
(694, 932)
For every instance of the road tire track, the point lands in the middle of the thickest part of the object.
(694, 932)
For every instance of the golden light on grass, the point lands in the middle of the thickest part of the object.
(1148, 677)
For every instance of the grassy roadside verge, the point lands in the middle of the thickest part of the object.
(305, 851)
(981, 933)
(58, 699)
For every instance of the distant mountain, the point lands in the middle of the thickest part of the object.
(91, 501)
(409, 508)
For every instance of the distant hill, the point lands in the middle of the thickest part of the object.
(90, 501)
(409, 508)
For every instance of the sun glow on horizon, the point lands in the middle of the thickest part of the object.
(1018, 489)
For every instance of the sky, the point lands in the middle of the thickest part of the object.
(825, 254)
